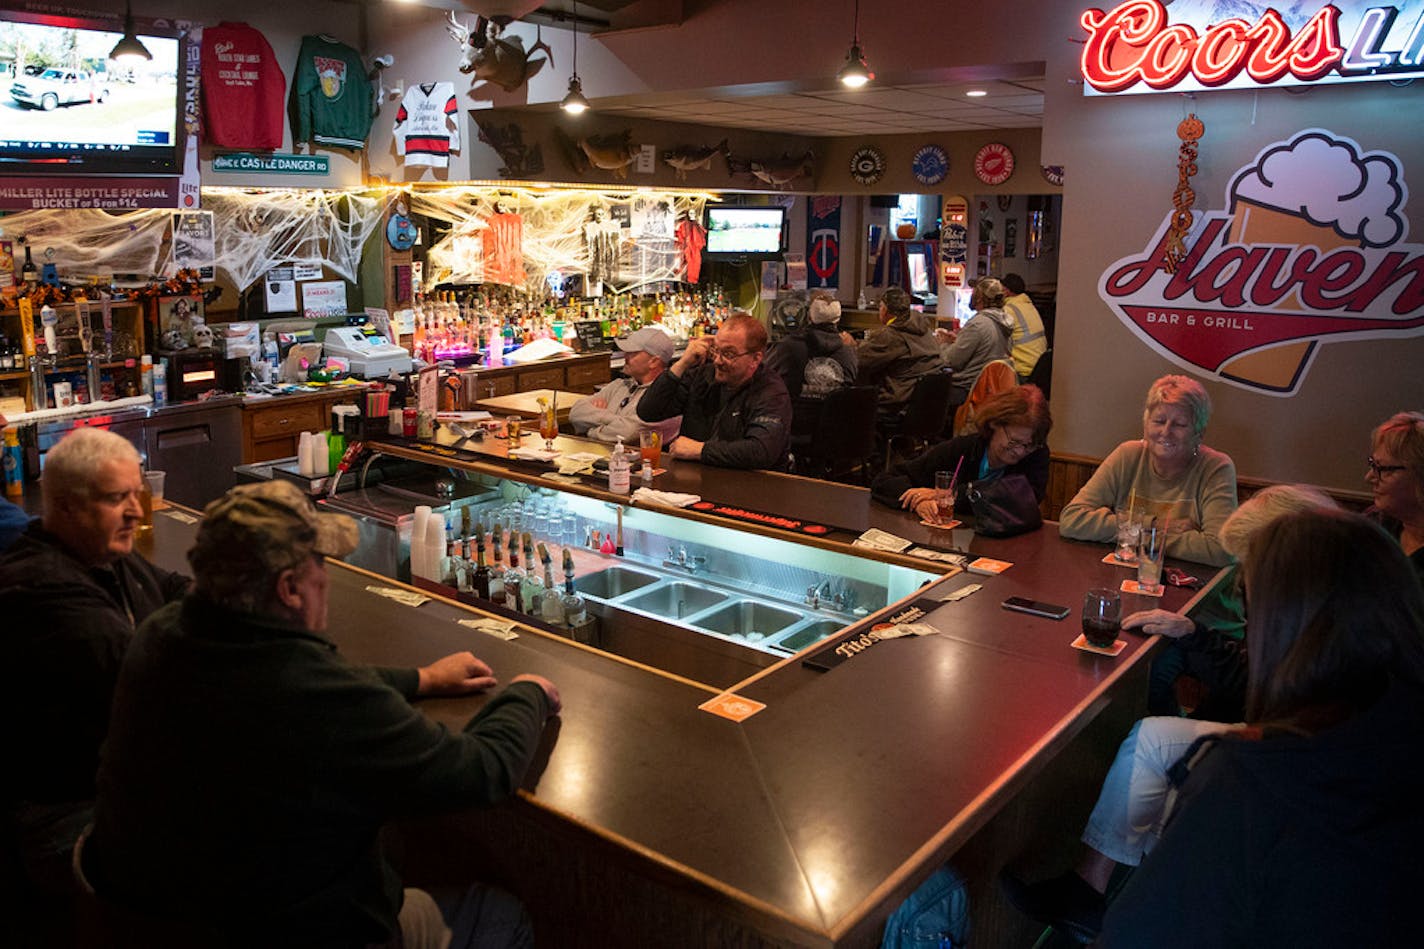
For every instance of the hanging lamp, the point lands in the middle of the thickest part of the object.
(856, 71)
(574, 101)
(129, 49)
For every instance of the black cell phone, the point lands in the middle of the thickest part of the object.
(1023, 604)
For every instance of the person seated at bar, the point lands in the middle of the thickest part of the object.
(612, 412)
(1122, 828)
(1302, 829)
(1396, 479)
(1167, 474)
(1029, 341)
(735, 411)
(1012, 439)
(981, 340)
(896, 355)
(249, 767)
(72, 589)
(818, 358)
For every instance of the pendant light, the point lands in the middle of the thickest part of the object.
(129, 49)
(856, 72)
(574, 102)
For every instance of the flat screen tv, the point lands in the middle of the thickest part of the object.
(758, 230)
(67, 109)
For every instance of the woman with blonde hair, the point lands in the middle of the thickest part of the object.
(1168, 475)
(1396, 479)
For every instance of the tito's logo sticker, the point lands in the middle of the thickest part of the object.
(1312, 248)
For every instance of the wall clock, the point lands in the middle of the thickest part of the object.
(994, 163)
(930, 165)
(867, 165)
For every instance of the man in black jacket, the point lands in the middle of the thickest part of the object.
(736, 413)
(72, 589)
(249, 767)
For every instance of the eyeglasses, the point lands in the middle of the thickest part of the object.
(1013, 444)
(1379, 470)
(726, 354)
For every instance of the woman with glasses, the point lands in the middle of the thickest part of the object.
(1168, 474)
(1013, 429)
(1396, 477)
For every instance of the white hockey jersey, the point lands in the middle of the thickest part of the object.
(427, 125)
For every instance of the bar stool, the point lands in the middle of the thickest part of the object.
(924, 415)
(843, 438)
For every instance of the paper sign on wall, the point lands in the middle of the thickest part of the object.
(324, 298)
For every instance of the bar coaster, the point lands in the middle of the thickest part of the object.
(731, 706)
(1082, 643)
(946, 526)
(1132, 586)
(1112, 561)
(988, 566)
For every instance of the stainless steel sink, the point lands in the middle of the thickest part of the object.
(675, 600)
(812, 632)
(747, 619)
(614, 581)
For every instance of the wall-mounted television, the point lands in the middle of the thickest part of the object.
(67, 109)
(745, 230)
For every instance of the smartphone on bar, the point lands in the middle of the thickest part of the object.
(1036, 607)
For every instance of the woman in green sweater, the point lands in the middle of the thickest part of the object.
(1168, 474)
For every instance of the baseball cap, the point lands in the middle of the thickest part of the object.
(272, 525)
(649, 340)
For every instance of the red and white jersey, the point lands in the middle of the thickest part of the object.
(427, 125)
(243, 88)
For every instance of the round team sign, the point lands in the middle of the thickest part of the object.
(867, 165)
(994, 163)
(400, 232)
(930, 165)
(1053, 174)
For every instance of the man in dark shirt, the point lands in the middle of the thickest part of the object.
(736, 413)
(72, 590)
(249, 767)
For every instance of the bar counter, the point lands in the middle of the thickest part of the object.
(647, 821)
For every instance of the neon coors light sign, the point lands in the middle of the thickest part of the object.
(1311, 248)
(1133, 48)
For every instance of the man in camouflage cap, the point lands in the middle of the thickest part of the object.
(250, 767)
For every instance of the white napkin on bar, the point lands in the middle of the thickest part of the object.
(665, 498)
(533, 454)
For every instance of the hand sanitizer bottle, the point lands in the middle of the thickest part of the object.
(619, 470)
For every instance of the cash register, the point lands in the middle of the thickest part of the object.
(368, 353)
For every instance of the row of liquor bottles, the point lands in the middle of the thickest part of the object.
(483, 325)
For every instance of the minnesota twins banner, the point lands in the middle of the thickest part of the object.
(823, 242)
(1311, 248)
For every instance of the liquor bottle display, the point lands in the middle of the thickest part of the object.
(551, 608)
(580, 625)
(513, 577)
(496, 582)
(480, 581)
(531, 586)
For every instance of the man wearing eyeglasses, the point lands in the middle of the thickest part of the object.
(735, 412)
(72, 590)
(612, 412)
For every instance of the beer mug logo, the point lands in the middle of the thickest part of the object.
(1311, 248)
(332, 73)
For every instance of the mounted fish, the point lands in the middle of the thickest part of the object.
(492, 57)
(782, 171)
(610, 152)
(685, 158)
(520, 160)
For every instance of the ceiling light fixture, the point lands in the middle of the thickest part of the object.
(976, 93)
(574, 102)
(129, 49)
(856, 71)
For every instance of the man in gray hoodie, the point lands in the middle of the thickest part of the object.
(983, 339)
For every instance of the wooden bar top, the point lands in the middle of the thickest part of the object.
(526, 404)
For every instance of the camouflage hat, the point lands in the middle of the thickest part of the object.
(272, 523)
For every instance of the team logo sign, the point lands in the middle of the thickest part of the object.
(1312, 248)
(332, 73)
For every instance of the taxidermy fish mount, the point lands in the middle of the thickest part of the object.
(492, 57)
(608, 152)
(780, 172)
(520, 160)
(685, 158)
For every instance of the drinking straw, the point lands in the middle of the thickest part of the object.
(954, 478)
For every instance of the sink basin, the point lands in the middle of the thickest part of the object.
(748, 619)
(675, 600)
(615, 581)
(812, 632)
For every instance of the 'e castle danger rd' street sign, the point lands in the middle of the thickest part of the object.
(272, 164)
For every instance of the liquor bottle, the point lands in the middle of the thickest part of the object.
(480, 582)
(513, 577)
(29, 273)
(551, 607)
(576, 618)
(496, 587)
(531, 589)
(452, 566)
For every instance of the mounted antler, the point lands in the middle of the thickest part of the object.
(457, 30)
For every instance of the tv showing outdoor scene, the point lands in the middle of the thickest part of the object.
(66, 108)
(745, 230)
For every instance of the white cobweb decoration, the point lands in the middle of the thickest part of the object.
(553, 233)
(90, 242)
